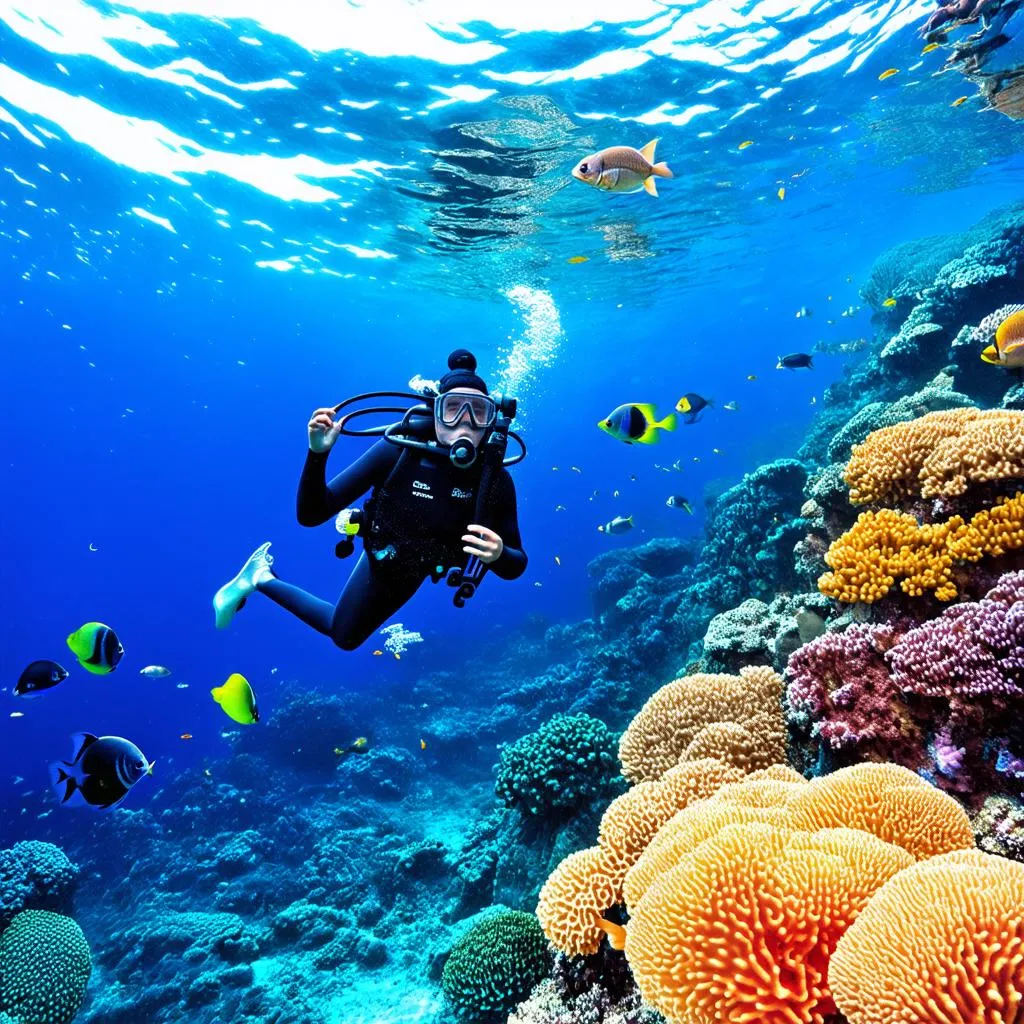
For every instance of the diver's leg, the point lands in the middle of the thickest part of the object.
(302, 605)
(367, 602)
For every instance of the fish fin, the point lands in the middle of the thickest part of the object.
(990, 355)
(647, 408)
(647, 152)
(65, 784)
(810, 363)
(80, 743)
(217, 693)
(668, 423)
(649, 187)
(661, 170)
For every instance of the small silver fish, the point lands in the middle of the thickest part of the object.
(154, 672)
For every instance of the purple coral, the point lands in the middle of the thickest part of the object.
(840, 688)
(973, 650)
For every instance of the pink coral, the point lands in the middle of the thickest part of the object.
(840, 688)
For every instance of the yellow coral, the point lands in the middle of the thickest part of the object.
(884, 546)
(941, 453)
(741, 927)
(942, 940)
(698, 715)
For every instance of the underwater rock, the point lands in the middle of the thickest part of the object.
(999, 827)
(383, 774)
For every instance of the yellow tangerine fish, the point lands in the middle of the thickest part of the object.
(745, 143)
(958, 101)
(237, 699)
(577, 259)
(1008, 349)
(622, 169)
(929, 48)
(888, 73)
(889, 302)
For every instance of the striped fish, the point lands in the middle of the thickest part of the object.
(96, 647)
(622, 169)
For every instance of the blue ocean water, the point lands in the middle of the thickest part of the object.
(218, 216)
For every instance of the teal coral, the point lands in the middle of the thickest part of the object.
(44, 967)
(495, 966)
(567, 762)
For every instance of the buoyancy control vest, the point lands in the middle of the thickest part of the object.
(415, 520)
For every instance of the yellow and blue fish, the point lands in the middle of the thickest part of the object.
(237, 699)
(96, 647)
(636, 422)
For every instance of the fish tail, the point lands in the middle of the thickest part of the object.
(647, 152)
(668, 423)
(661, 169)
(649, 187)
(63, 783)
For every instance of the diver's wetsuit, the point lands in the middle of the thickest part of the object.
(418, 521)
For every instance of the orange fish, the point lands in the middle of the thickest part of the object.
(958, 101)
(423, 744)
(186, 735)
(888, 73)
(1008, 349)
(377, 654)
(577, 259)
(622, 169)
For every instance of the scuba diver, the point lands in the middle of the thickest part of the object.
(443, 506)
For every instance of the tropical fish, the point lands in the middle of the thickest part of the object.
(577, 259)
(96, 647)
(620, 524)
(781, 193)
(691, 405)
(635, 422)
(622, 169)
(732, 406)
(558, 561)
(154, 672)
(751, 376)
(237, 699)
(929, 48)
(423, 744)
(1008, 349)
(889, 302)
(745, 143)
(39, 676)
(678, 501)
(101, 772)
(17, 714)
(803, 312)
(377, 653)
(888, 73)
(185, 736)
(959, 100)
(795, 361)
(182, 686)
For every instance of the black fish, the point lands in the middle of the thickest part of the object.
(795, 361)
(39, 676)
(101, 771)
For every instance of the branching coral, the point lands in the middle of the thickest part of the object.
(941, 941)
(883, 546)
(940, 453)
(841, 693)
(683, 720)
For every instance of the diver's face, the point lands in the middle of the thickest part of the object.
(464, 426)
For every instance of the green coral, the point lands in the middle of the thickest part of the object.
(567, 762)
(44, 968)
(495, 966)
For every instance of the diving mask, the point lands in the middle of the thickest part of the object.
(450, 407)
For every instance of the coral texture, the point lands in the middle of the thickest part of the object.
(940, 453)
(34, 876)
(674, 724)
(567, 762)
(941, 941)
(44, 968)
(999, 827)
(579, 891)
(495, 965)
(759, 947)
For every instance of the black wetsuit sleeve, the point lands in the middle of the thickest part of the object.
(512, 562)
(319, 500)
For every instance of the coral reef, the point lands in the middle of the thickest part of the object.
(45, 965)
(35, 876)
(956, 918)
(999, 827)
(567, 762)
(494, 966)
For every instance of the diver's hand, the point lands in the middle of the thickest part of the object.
(486, 545)
(323, 431)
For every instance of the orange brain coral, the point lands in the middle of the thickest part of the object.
(940, 943)
(742, 927)
(738, 719)
(631, 820)
(940, 453)
(575, 895)
(887, 800)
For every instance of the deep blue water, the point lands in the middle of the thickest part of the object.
(216, 217)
